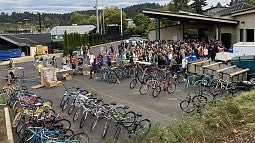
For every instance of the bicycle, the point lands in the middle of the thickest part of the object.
(222, 87)
(114, 114)
(164, 85)
(204, 81)
(191, 79)
(142, 126)
(191, 103)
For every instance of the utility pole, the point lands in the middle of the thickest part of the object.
(121, 28)
(103, 18)
(97, 16)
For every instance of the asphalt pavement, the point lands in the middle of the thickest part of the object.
(163, 109)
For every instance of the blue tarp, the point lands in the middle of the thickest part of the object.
(5, 55)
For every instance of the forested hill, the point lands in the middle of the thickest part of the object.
(62, 19)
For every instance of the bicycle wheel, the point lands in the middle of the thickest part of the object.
(129, 119)
(133, 83)
(232, 89)
(93, 125)
(120, 73)
(65, 104)
(156, 91)
(66, 124)
(20, 125)
(106, 127)
(77, 138)
(198, 85)
(83, 119)
(131, 72)
(28, 135)
(117, 133)
(71, 109)
(63, 100)
(171, 87)
(77, 114)
(143, 126)
(187, 106)
(180, 78)
(16, 120)
(68, 133)
(144, 89)
(215, 87)
(199, 100)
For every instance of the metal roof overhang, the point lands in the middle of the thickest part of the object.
(187, 17)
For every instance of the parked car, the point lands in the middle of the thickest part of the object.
(136, 40)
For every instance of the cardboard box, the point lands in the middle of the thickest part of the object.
(52, 84)
(67, 77)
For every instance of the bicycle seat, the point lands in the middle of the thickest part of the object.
(139, 114)
(57, 125)
(38, 104)
(113, 103)
(99, 99)
(30, 94)
(77, 88)
(125, 107)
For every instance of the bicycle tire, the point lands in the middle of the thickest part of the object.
(20, 125)
(187, 106)
(83, 119)
(93, 125)
(28, 135)
(16, 120)
(199, 100)
(71, 108)
(65, 104)
(117, 134)
(156, 91)
(215, 87)
(66, 123)
(120, 73)
(180, 78)
(63, 100)
(77, 114)
(131, 72)
(198, 85)
(77, 138)
(120, 111)
(106, 128)
(171, 87)
(144, 89)
(128, 119)
(133, 83)
(143, 126)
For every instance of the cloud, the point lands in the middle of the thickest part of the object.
(64, 6)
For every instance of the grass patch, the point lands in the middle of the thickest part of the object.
(216, 124)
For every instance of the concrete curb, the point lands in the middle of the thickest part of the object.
(8, 125)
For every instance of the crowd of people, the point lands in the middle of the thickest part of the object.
(159, 54)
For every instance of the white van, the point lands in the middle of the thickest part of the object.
(243, 49)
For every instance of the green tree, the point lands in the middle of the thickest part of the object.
(92, 19)
(252, 2)
(66, 44)
(112, 16)
(198, 5)
(180, 5)
(141, 19)
(77, 18)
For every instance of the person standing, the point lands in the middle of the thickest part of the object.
(39, 67)
(73, 62)
(109, 60)
(53, 62)
(46, 58)
(94, 67)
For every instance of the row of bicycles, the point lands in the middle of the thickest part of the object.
(35, 120)
(158, 80)
(207, 89)
(80, 104)
(113, 74)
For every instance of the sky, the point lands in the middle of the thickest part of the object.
(65, 6)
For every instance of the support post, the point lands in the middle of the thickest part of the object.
(157, 29)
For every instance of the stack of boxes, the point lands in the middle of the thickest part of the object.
(49, 78)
